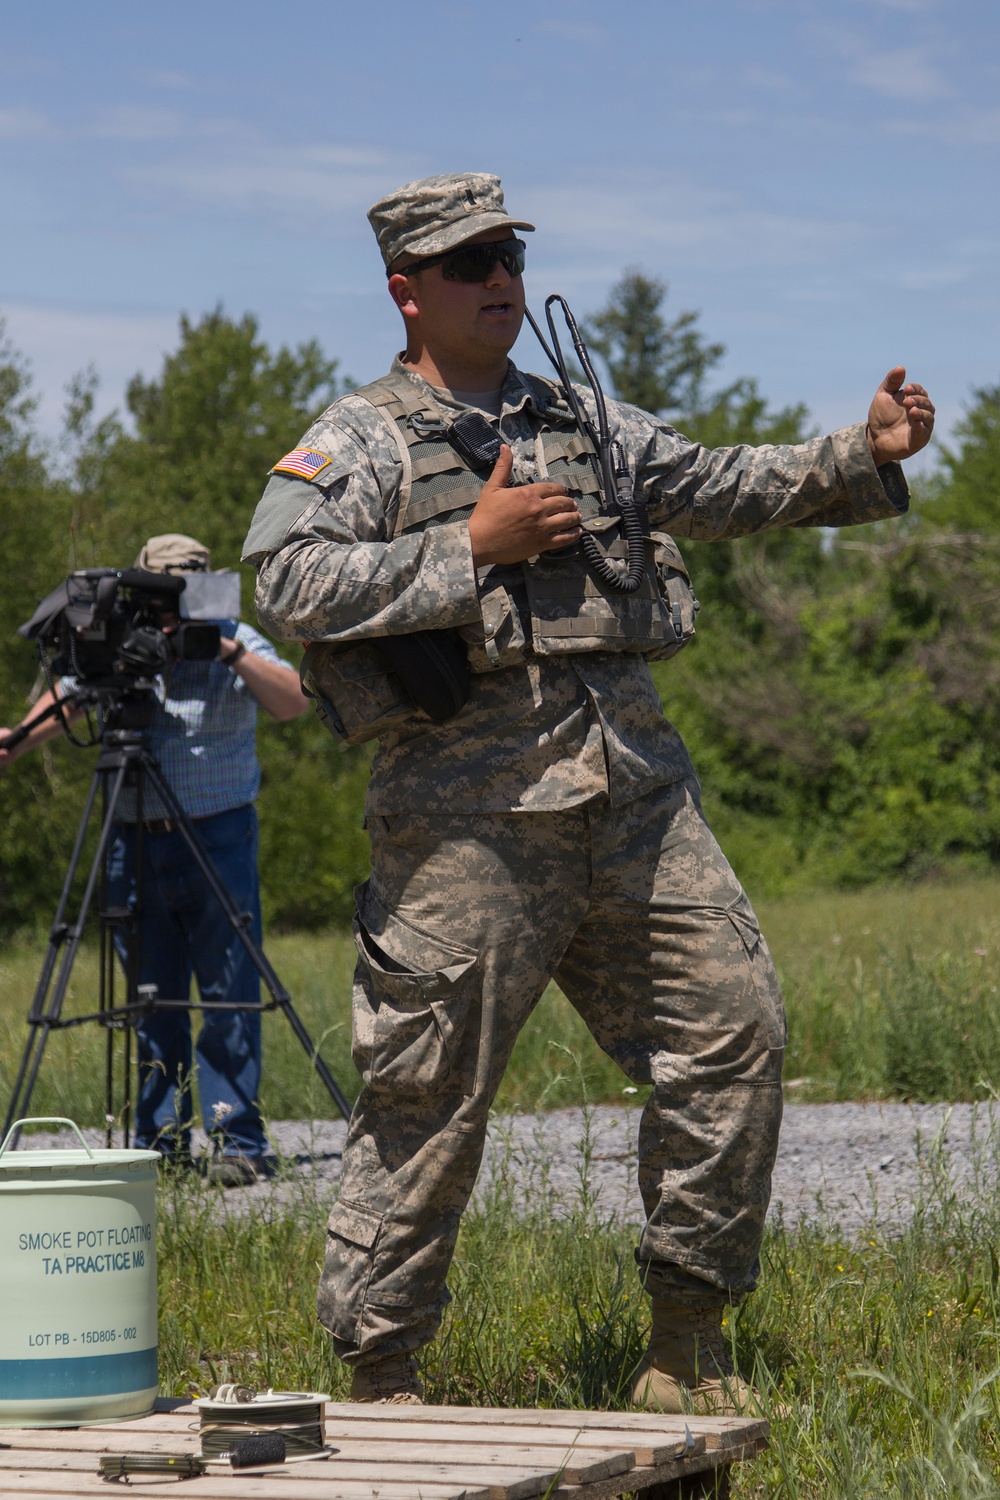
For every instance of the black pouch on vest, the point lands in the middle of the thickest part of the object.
(433, 666)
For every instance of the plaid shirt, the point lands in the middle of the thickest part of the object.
(203, 733)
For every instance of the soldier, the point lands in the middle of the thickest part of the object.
(548, 824)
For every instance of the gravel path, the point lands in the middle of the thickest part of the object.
(844, 1165)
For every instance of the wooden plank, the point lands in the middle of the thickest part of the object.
(310, 1479)
(502, 1480)
(717, 1431)
(286, 1486)
(289, 1485)
(577, 1468)
(94, 1440)
(640, 1479)
(644, 1450)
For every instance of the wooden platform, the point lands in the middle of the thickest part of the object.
(405, 1453)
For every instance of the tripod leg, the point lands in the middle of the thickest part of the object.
(46, 1007)
(38, 1018)
(236, 921)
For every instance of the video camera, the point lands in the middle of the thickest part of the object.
(104, 626)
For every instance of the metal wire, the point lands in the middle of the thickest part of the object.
(299, 1422)
(116, 1466)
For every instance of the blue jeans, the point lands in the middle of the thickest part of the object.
(184, 931)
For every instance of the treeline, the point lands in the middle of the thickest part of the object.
(841, 700)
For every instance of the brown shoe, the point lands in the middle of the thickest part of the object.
(687, 1368)
(392, 1381)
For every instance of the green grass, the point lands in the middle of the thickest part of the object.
(876, 1358)
(891, 994)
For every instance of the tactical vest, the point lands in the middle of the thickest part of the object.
(569, 610)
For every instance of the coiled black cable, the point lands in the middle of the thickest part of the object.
(614, 473)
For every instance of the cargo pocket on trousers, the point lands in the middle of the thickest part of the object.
(351, 1235)
(413, 995)
(741, 915)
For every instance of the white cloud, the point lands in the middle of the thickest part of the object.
(971, 127)
(575, 31)
(642, 219)
(138, 123)
(24, 124)
(769, 79)
(907, 73)
(163, 78)
(913, 7)
(307, 179)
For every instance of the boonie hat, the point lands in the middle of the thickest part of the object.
(435, 214)
(173, 552)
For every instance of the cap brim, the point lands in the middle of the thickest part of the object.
(457, 234)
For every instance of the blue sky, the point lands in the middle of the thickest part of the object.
(819, 180)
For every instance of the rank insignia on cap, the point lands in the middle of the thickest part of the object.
(302, 462)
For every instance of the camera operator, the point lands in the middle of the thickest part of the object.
(202, 735)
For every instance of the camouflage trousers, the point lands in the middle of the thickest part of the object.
(637, 915)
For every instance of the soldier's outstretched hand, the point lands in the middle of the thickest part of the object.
(900, 419)
(511, 525)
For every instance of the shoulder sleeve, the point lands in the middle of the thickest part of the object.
(355, 466)
(711, 494)
(260, 645)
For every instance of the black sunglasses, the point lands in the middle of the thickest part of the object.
(472, 262)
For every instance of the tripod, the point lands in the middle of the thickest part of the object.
(125, 762)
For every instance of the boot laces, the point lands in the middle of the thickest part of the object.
(394, 1376)
(710, 1340)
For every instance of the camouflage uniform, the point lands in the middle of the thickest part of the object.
(560, 804)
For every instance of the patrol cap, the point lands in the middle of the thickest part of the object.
(173, 552)
(435, 214)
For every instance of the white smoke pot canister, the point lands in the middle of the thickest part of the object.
(77, 1284)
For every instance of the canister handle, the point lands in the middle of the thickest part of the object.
(45, 1120)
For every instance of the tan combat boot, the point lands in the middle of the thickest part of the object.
(392, 1381)
(686, 1366)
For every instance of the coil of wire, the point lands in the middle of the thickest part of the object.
(295, 1416)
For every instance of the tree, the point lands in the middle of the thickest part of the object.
(35, 546)
(653, 364)
(662, 367)
(966, 497)
(207, 430)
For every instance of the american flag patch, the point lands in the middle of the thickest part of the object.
(302, 462)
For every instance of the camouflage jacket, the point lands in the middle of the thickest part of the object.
(550, 732)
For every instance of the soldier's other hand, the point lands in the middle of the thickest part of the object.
(900, 419)
(6, 756)
(511, 525)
